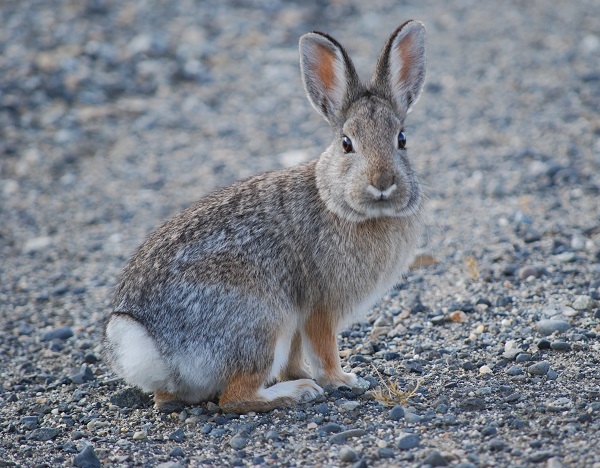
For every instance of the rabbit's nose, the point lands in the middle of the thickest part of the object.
(382, 186)
(383, 181)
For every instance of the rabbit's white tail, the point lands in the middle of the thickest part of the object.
(134, 354)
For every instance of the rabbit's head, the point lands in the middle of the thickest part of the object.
(365, 173)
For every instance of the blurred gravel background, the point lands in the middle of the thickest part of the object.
(115, 115)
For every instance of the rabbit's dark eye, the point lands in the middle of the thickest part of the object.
(347, 144)
(401, 140)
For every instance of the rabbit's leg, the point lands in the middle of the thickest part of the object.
(295, 367)
(245, 392)
(319, 336)
(162, 398)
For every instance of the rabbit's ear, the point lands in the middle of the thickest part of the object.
(400, 70)
(328, 74)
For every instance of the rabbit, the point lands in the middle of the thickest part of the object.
(228, 298)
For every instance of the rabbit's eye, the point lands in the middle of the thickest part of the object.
(347, 144)
(401, 140)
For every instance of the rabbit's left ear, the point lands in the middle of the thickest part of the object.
(328, 74)
(400, 71)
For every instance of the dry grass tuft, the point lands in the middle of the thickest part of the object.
(389, 394)
(473, 266)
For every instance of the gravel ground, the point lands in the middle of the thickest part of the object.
(116, 115)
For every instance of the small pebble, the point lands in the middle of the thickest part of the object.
(560, 346)
(238, 442)
(29, 422)
(177, 452)
(331, 428)
(539, 368)
(177, 436)
(548, 326)
(43, 434)
(130, 397)
(514, 370)
(407, 440)
(346, 454)
(435, 458)
(496, 445)
(560, 404)
(523, 357)
(343, 436)
(396, 413)
(87, 458)
(61, 333)
(350, 405)
(584, 303)
(543, 344)
(140, 435)
(411, 417)
(566, 257)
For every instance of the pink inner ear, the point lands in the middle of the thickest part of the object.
(404, 48)
(324, 67)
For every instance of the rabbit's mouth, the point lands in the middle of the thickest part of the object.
(392, 202)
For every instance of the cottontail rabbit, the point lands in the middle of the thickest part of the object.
(224, 299)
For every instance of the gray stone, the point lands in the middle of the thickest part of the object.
(411, 417)
(212, 407)
(61, 333)
(435, 458)
(566, 257)
(584, 303)
(178, 435)
(514, 370)
(342, 437)
(171, 407)
(346, 454)
(360, 386)
(560, 345)
(511, 354)
(407, 440)
(87, 458)
(496, 445)
(30, 422)
(85, 374)
(396, 413)
(560, 404)
(385, 453)
(540, 456)
(332, 428)
(177, 452)
(523, 357)
(472, 403)
(130, 397)
(238, 442)
(548, 326)
(43, 434)
(539, 368)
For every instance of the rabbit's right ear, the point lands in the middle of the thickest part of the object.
(328, 74)
(400, 71)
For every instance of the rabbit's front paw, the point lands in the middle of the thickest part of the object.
(338, 380)
(309, 390)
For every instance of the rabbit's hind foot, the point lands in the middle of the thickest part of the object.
(245, 393)
(167, 403)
